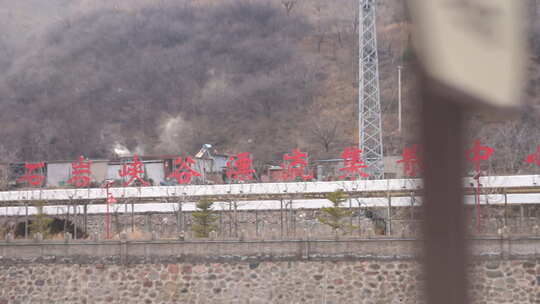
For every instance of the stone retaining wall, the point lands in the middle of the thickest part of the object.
(327, 282)
(346, 271)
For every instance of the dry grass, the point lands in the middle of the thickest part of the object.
(137, 234)
(56, 237)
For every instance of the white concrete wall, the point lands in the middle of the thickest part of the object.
(58, 174)
(155, 171)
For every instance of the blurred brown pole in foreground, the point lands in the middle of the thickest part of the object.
(445, 248)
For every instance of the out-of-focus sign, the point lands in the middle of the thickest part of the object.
(477, 47)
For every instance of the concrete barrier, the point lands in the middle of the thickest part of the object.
(125, 251)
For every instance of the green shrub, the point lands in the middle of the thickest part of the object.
(334, 216)
(204, 219)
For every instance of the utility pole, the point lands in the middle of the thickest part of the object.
(108, 200)
(369, 105)
(399, 98)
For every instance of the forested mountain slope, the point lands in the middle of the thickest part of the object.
(264, 76)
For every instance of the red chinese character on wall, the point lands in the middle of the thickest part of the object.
(534, 157)
(410, 161)
(132, 170)
(352, 163)
(184, 172)
(80, 173)
(29, 177)
(294, 166)
(239, 167)
(478, 153)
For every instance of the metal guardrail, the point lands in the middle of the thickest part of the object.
(267, 191)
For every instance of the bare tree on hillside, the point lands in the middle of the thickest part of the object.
(325, 132)
(511, 141)
(288, 5)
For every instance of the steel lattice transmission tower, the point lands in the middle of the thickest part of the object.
(369, 105)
